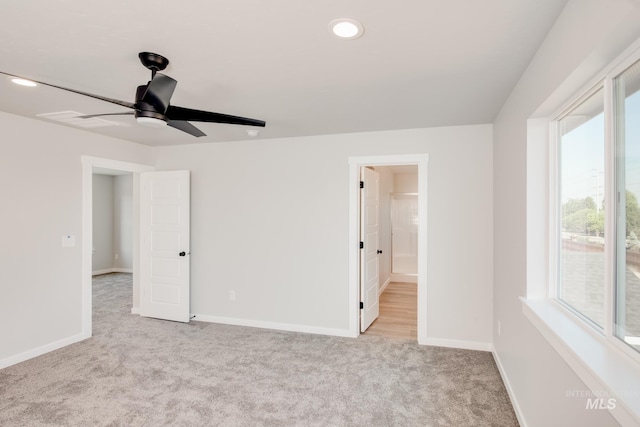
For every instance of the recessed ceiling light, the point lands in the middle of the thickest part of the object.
(252, 133)
(23, 82)
(346, 28)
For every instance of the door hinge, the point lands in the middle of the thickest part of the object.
(361, 305)
(361, 245)
(361, 184)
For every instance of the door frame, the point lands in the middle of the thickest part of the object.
(355, 163)
(88, 164)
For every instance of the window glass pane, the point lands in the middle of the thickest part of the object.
(581, 281)
(627, 113)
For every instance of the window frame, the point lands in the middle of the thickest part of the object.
(555, 211)
(612, 122)
(605, 82)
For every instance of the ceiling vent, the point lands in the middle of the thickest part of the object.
(74, 118)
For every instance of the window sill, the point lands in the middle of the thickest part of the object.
(612, 376)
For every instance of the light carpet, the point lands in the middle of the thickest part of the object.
(138, 371)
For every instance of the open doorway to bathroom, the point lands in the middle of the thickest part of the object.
(356, 166)
(398, 258)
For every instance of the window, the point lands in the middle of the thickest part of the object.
(626, 94)
(597, 225)
(581, 252)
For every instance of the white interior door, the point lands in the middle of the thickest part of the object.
(369, 230)
(164, 249)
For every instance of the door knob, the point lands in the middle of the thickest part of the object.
(183, 253)
(379, 251)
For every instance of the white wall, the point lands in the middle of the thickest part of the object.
(270, 221)
(41, 180)
(123, 222)
(102, 223)
(405, 183)
(587, 35)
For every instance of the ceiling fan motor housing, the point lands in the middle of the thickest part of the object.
(144, 109)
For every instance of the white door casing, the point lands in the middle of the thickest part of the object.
(355, 165)
(164, 227)
(369, 231)
(89, 163)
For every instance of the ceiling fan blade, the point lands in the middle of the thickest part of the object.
(180, 113)
(88, 116)
(102, 98)
(159, 91)
(186, 127)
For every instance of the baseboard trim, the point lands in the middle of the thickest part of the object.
(39, 351)
(507, 384)
(404, 278)
(272, 325)
(112, 270)
(465, 345)
(384, 286)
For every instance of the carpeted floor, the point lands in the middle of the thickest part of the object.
(144, 372)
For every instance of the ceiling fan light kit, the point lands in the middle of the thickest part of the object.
(152, 106)
(151, 122)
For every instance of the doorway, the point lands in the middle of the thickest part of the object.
(112, 248)
(420, 161)
(398, 254)
(112, 222)
(89, 166)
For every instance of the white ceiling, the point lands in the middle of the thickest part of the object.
(420, 63)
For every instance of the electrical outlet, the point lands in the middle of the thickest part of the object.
(232, 295)
(499, 328)
(116, 256)
(68, 241)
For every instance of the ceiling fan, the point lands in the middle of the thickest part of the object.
(152, 107)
